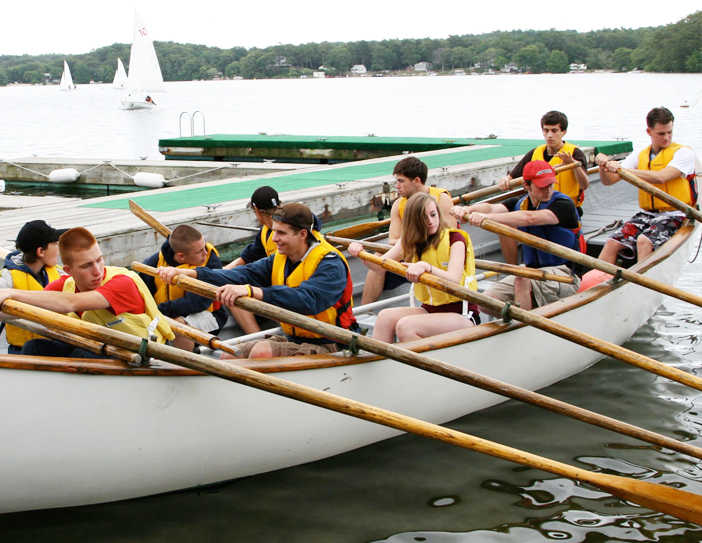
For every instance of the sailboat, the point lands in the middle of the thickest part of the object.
(66, 79)
(144, 70)
(120, 81)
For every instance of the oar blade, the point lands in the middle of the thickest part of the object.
(666, 499)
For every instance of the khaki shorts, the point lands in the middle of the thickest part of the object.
(542, 292)
(281, 346)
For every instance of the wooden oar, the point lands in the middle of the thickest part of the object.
(200, 337)
(360, 230)
(590, 262)
(672, 501)
(93, 346)
(230, 226)
(499, 267)
(141, 213)
(547, 325)
(513, 184)
(432, 365)
(653, 190)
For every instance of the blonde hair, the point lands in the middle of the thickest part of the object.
(415, 235)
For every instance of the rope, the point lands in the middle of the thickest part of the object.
(697, 252)
(109, 163)
(200, 173)
(505, 313)
(23, 168)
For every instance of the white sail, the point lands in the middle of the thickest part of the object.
(66, 79)
(120, 81)
(144, 70)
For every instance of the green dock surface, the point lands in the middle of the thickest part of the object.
(195, 195)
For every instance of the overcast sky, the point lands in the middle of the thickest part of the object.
(77, 26)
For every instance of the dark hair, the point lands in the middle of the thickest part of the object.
(412, 167)
(31, 258)
(659, 115)
(182, 236)
(553, 118)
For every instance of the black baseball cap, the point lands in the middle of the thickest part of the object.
(295, 214)
(265, 197)
(36, 234)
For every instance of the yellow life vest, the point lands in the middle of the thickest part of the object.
(267, 240)
(340, 314)
(25, 281)
(439, 258)
(434, 192)
(137, 325)
(566, 182)
(680, 187)
(168, 293)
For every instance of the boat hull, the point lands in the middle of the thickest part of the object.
(75, 439)
(137, 104)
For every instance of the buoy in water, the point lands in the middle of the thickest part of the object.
(64, 175)
(593, 278)
(149, 180)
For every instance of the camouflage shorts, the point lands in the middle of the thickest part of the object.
(657, 227)
(281, 346)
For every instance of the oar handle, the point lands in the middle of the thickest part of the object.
(200, 337)
(513, 184)
(360, 230)
(230, 226)
(690, 212)
(96, 347)
(589, 261)
(510, 269)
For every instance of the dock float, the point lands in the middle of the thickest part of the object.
(315, 149)
(335, 193)
(121, 174)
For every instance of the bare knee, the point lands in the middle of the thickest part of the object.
(610, 251)
(406, 330)
(644, 247)
(262, 349)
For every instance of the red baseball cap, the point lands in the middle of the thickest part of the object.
(540, 173)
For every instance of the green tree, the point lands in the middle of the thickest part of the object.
(558, 63)
(383, 59)
(340, 58)
(233, 69)
(81, 72)
(694, 62)
(532, 58)
(410, 55)
(4, 79)
(621, 59)
(599, 59)
(459, 57)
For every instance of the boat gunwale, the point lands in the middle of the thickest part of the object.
(299, 363)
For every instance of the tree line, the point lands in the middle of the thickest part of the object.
(671, 48)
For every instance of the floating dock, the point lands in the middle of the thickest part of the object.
(343, 192)
(119, 174)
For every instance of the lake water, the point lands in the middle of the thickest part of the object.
(408, 489)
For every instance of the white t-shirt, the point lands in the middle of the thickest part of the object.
(683, 161)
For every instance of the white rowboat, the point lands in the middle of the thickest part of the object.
(85, 432)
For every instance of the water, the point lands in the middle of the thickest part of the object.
(410, 489)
